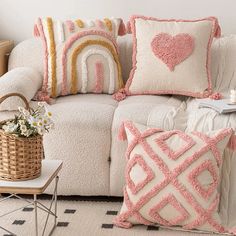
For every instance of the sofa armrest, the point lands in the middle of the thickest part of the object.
(24, 80)
(5, 48)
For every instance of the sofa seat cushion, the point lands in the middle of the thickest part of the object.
(166, 112)
(82, 139)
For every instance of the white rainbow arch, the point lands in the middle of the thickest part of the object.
(84, 73)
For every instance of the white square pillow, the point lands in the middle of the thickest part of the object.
(172, 178)
(80, 56)
(171, 56)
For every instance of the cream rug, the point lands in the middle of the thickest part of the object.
(76, 218)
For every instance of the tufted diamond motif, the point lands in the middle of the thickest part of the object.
(181, 190)
(197, 185)
(161, 141)
(147, 174)
(171, 200)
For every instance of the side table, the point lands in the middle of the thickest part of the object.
(50, 170)
(5, 48)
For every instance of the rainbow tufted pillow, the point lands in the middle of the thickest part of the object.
(171, 56)
(80, 57)
(172, 178)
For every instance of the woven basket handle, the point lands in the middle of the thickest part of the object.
(3, 98)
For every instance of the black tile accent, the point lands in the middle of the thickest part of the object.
(7, 234)
(18, 222)
(69, 211)
(113, 213)
(151, 227)
(28, 209)
(62, 224)
(107, 226)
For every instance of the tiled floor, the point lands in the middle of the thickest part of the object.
(77, 217)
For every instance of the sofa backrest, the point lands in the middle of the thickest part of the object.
(30, 53)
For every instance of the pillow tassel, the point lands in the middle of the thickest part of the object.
(122, 224)
(120, 95)
(122, 134)
(43, 96)
(216, 96)
(36, 31)
(122, 29)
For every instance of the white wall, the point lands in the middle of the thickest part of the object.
(17, 16)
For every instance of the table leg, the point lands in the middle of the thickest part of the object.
(36, 215)
(55, 209)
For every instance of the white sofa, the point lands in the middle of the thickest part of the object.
(87, 125)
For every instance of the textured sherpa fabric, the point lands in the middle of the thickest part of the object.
(23, 80)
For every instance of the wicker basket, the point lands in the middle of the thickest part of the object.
(20, 158)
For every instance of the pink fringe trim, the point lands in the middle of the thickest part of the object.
(122, 133)
(122, 29)
(70, 25)
(216, 96)
(232, 143)
(100, 24)
(128, 28)
(36, 31)
(120, 95)
(43, 96)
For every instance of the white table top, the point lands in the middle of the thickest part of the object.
(50, 169)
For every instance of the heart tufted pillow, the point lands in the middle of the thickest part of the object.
(171, 56)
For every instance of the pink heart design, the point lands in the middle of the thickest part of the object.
(172, 50)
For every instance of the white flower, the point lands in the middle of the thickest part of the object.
(26, 113)
(24, 133)
(23, 128)
(41, 104)
(21, 122)
(33, 121)
(11, 127)
(40, 131)
(49, 114)
(21, 109)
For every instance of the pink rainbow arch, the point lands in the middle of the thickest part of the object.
(73, 40)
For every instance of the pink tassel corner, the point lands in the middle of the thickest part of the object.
(122, 29)
(42, 96)
(216, 96)
(36, 31)
(120, 95)
(122, 133)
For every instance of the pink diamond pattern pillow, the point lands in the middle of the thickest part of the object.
(172, 178)
(171, 56)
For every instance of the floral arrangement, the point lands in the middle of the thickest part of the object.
(30, 123)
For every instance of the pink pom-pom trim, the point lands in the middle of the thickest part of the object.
(216, 96)
(120, 95)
